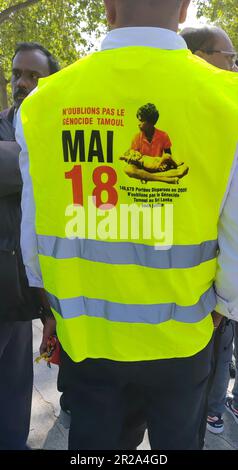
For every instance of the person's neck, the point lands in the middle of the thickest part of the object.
(149, 135)
(171, 24)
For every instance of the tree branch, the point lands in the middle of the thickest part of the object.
(4, 15)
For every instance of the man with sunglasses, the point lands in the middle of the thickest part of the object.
(211, 44)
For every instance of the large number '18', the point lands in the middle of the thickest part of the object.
(101, 186)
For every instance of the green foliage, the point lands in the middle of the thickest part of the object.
(223, 13)
(68, 28)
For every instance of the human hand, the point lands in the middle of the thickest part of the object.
(217, 318)
(48, 330)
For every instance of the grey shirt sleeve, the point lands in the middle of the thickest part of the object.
(226, 283)
(29, 246)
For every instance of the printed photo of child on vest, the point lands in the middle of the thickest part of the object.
(150, 155)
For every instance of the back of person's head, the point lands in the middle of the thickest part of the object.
(200, 39)
(161, 13)
(35, 46)
(211, 44)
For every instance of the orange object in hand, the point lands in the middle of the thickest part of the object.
(53, 350)
(52, 354)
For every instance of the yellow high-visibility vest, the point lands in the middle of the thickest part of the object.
(115, 294)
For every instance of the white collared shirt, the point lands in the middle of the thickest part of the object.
(226, 283)
(143, 36)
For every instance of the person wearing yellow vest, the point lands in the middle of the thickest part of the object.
(133, 270)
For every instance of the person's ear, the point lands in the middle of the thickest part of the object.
(110, 11)
(184, 10)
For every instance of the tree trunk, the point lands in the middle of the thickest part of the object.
(5, 14)
(3, 90)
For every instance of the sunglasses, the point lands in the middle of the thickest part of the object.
(233, 56)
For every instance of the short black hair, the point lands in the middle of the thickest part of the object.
(35, 46)
(200, 39)
(148, 113)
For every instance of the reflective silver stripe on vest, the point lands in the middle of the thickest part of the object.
(147, 314)
(178, 256)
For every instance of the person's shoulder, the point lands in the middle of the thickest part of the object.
(68, 71)
(56, 82)
(203, 71)
(225, 86)
(210, 81)
(230, 81)
(160, 133)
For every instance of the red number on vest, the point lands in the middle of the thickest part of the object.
(77, 183)
(108, 186)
